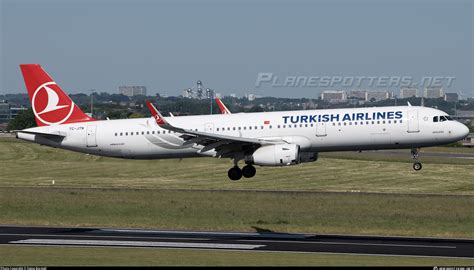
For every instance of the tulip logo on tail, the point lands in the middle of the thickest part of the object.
(49, 106)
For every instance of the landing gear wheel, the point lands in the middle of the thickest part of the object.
(415, 153)
(249, 171)
(417, 166)
(234, 173)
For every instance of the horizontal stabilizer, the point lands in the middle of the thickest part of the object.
(42, 134)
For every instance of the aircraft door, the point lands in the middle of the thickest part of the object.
(321, 129)
(413, 125)
(91, 139)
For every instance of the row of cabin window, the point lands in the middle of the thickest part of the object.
(143, 133)
(270, 126)
(311, 125)
(373, 122)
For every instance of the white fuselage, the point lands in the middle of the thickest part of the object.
(313, 130)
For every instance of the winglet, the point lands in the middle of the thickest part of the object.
(409, 104)
(222, 107)
(160, 120)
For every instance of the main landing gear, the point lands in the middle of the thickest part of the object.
(415, 153)
(235, 173)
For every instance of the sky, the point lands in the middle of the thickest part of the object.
(168, 45)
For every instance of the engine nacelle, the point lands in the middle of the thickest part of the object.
(308, 157)
(277, 155)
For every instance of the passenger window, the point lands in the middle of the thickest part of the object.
(121, 134)
(115, 134)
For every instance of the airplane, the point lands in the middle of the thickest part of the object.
(281, 139)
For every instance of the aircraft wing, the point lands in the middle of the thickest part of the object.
(223, 144)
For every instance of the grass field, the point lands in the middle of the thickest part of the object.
(30, 165)
(72, 256)
(342, 193)
(374, 214)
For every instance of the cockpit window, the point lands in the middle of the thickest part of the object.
(442, 118)
(449, 118)
(435, 119)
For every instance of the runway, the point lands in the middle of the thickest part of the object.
(260, 241)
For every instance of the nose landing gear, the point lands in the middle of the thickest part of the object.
(415, 153)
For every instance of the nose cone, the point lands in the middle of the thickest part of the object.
(462, 131)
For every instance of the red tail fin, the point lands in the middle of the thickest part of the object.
(222, 107)
(50, 104)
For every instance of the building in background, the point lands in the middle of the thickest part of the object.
(374, 96)
(8, 112)
(408, 92)
(464, 116)
(334, 96)
(132, 90)
(451, 97)
(434, 92)
(4, 112)
(356, 94)
(250, 97)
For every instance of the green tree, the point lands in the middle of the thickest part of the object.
(136, 115)
(24, 119)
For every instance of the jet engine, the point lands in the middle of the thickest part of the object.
(276, 155)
